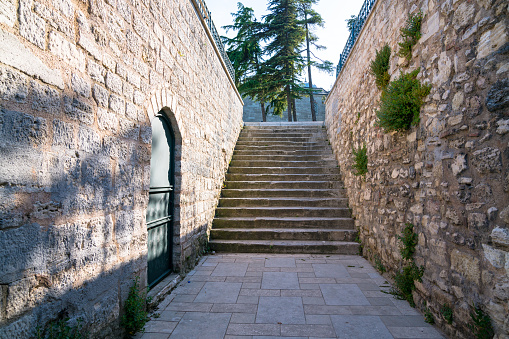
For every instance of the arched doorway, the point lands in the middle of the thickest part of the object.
(160, 204)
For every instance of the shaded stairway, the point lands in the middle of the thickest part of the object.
(283, 194)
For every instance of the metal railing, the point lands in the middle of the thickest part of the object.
(205, 13)
(356, 29)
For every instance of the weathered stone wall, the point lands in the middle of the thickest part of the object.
(449, 176)
(253, 112)
(80, 82)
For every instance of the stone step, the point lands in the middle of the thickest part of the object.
(293, 144)
(276, 163)
(315, 139)
(284, 222)
(323, 152)
(283, 211)
(286, 202)
(321, 234)
(279, 147)
(283, 193)
(291, 157)
(265, 134)
(287, 246)
(282, 177)
(284, 170)
(246, 185)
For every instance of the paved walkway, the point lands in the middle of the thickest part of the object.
(297, 296)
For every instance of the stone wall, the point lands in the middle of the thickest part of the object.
(253, 111)
(80, 82)
(449, 175)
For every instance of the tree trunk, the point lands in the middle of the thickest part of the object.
(264, 115)
(310, 82)
(288, 102)
(294, 110)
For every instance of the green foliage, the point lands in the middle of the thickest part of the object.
(135, 309)
(446, 312)
(428, 316)
(481, 326)
(401, 102)
(379, 67)
(409, 240)
(379, 265)
(360, 160)
(404, 281)
(350, 23)
(411, 33)
(60, 329)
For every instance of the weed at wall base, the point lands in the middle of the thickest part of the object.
(135, 309)
(481, 324)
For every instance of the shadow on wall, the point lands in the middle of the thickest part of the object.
(72, 223)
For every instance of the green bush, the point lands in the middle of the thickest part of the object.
(401, 102)
(411, 33)
(481, 326)
(446, 313)
(404, 281)
(380, 67)
(360, 160)
(409, 240)
(60, 329)
(135, 309)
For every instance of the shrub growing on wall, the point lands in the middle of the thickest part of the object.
(360, 160)
(401, 103)
(411, 33)
(379, 67)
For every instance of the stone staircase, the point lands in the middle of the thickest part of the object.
(283, 194)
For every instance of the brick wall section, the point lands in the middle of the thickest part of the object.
(449, 176)
(79, 84)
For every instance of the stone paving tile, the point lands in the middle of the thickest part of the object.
(348, 326)
(307, 330)
(280, 280)
(243, 318)
(293, 296)
(342, 295)
(280, 262)
(219, 292)
(157, 326)
(415, 332)
(230, 270)
(254, 329)
(280, 310)
(330, 271)
(202, 325)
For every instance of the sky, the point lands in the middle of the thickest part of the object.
(333, 35)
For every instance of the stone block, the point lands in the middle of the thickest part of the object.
(498, 96)
(67, 51)
(45, 98)
(117, 104)
(78, 110)
(89, 141)
(492, 40)
(504, 215)
(96, 71)
(113, 83)
(106, 120)
(8, 12)
(129, 129)
(80, 86)
(477, 221)
(20, 129)
(13, 85)
(31, 26)
(487, 160)
(101, 95)
(64, 134)
(459, 164)
(467, 265)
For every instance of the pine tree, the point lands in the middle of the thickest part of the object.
(245, 53)
(310, 19)
(285, 35)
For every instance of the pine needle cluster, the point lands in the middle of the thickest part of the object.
(379, 67)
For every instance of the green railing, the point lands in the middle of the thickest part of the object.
(205, 14)
(356, 29)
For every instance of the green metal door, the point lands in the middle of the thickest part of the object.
(160, 203)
